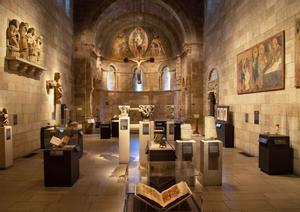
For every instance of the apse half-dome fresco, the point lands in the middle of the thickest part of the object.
(137, 42)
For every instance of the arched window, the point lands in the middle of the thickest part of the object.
(166, 79)
(67, 5)
(138, 86)
(111, 81)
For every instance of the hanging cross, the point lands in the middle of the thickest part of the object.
(139, 60)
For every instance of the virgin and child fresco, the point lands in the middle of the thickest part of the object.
(261, 68)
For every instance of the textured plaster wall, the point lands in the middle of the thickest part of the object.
(233, 27)
(27, 97)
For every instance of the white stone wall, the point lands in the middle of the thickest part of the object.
(233, 27)
(27, 97)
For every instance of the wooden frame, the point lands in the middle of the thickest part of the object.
(262, 67)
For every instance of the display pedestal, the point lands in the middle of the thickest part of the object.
(185, 150)
(170, 130)
(6, 147)
(156, 153)
(144, 138)
(124, 139)
(275, 154)
(105, 131)
(211, 162)
(225, 132)
(61, 167)
(58, 114)
(115, 128)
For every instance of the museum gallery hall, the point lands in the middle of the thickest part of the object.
(149, 105)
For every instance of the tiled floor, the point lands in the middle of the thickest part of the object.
(101, 186)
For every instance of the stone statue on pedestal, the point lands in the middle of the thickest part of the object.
(124, 110)
(146, 111)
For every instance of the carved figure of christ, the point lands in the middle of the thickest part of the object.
(138, 68)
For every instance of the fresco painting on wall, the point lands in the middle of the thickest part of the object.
(136, 44)
(261, 67)
(297, 54)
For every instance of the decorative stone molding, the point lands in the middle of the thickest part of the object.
(23, 67)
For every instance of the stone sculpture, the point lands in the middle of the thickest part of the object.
(55, 84)
(31, 44)
(3, 117)
(146, 111)
(23, 42)
(171, 111)
(124, 110)
(13, 37)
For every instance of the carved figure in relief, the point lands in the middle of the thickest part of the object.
(23, 44)
(55, 84)
(3, 117)
(31, 44)
(38, 48)
(13, 37)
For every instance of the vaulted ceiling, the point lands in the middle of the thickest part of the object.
(176, 21)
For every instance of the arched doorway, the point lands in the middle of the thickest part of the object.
(213, 91)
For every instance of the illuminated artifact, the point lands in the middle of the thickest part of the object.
(3, 117)
(146, 111)
(23, 42)
(124, 109)
(55, 84)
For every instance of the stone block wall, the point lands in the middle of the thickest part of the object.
(27, 97)
(232, 27)
(111, 100)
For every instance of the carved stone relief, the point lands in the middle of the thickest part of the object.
(23, 42)
(23, 50)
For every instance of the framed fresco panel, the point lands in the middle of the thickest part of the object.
(297, 54)
(261, 67)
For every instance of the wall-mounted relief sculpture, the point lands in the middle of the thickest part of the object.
(23, 49)
(3, 117)
(261, 68)
(56, 85)
(297, 54)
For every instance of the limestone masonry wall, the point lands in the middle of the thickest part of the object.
(27, 97)
(233, 26)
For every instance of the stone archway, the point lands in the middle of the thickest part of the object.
(213, 91)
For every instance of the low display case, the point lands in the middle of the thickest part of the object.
(275, 154)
